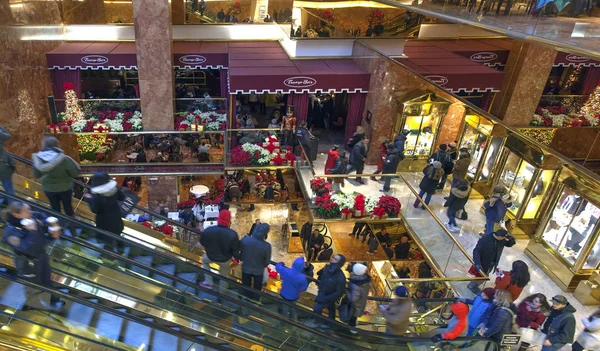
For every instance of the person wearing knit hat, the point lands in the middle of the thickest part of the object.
(445, 159)
(483, 307)
(255, 256)
(358, 291)
(397, 312)
(432, 174)
(332, 285)
(221, 244)
(105, 204)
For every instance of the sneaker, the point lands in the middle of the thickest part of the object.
(448, 226)
(370, 253)
(351, 234)
(353, 332)
(455, 229)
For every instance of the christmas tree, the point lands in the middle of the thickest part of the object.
(592, 105)
(72, 110)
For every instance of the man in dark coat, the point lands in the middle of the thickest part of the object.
(487, 253)
(325, 255)
(560, 325)
(315, 243)
(305, 234)
(390, 165)
(105, 204)
(256, 222)
(332, 285)
(358, 156)
(402, 248)
(220, 244)
(400, 142)
(255, 257)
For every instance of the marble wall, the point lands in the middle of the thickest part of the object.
(152, 22)
(178, 11)
(118, 13)
(525, 75)
(162, 192)
(88, 12)
(24, 76)
(391, 84)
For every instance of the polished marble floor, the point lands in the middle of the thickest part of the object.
(579, 33)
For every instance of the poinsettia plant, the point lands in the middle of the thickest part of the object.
(378, 212)
(320, 186)
(186, 204)
(390, 204)
(326, 208)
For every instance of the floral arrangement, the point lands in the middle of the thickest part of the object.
(359, 205)
(251, 155)
(186, 204)
(346, 213)
(370, 204)
(379, 212)
(544, 136)
(101, 121)
(235, 9)
(376, 17)
(560, 116)
(214, 120)
(326, 208)
(319, 186)
(94, 147)
(162, 227)
(343, 200)
(328, 16)
(278, 160)
(390, 204)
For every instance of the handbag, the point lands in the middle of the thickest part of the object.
(344, 309)
(126, 206)
(462, 214)
(473, 271)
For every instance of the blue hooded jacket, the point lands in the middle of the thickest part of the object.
(293, 281)
(481, 311)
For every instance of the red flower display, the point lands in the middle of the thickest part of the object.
(186, 204)
(290, 157)
(359, 203)
(390, 204)
(327, 208)
(167, 230)
(378, 212)
(278, 160)
(320, 186)
(239, 157)
(68, 86)
(147, 225)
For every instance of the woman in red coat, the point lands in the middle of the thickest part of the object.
(532, 315)
(383, 151)
(332, 156)
(515, 280)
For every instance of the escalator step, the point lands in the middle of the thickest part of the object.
(167, 268)
(162, 341)
(109, 325)
(13, 295)
(190, 277)
(137, 335)
(90, 252)
(184, 345)
(80, 315)
(147, 260)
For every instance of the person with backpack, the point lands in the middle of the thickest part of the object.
(589, 339)
(459, 195)
(56, 171)
(432, 174)
(501, 321)
(7, 166)
(293, 282)
(359, 285)
(560, 325)
(445, 159)
(255, 254)
(356, 137)
(332, 285)
(461, 166)
(105, 204)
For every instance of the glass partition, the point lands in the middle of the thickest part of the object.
(490, 158)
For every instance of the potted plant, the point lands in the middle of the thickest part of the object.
(390, 204)
(320, 186)
(327, 208)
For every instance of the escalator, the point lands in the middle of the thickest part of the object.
(163, 284)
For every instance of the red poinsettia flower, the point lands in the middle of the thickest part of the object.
(68, 86)
(278, 160)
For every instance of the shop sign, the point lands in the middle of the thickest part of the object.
(577, 59)
(484, 57)
(300, 82)
(192, 59)
(510, 339)
(439, 80)
(94, 60)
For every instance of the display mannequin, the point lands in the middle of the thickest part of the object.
(289, 128)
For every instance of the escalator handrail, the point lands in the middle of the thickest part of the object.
(244, 304)
(109, 310)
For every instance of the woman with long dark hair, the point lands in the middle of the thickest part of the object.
(532, 314)
(515, 280)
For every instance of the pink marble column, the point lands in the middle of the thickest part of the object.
(525, 76)
(152, 22)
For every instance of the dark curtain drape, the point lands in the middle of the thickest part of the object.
(223, 81)
(591, 80)
(355, 113)
(59, 78)
(486, 100)
(300, 103)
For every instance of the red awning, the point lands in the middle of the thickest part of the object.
(93, 56)
(490, 52)
(265, 67)
(104, 55)
(454, 72)
(200, 54)
(564, 59)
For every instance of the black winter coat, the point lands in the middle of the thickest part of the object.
(500, 323)
(399, 142)
(488, 251)
(358, 154)
(560, 325)
(354, 140)
(106, 207)
(220, 243)
(306, 231)
(332, 283)
(390, 164)
(316, 240)
(457, 200)
(430, 180)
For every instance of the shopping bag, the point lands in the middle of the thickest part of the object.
(126, 206)
(473, 271)
(345, 309)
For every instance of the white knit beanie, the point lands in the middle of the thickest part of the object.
(359, 269)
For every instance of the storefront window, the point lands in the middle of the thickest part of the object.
(571, 225)
(474, 140)
(492, 154)
(594, 258)
(516, 177)
(540, 188)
